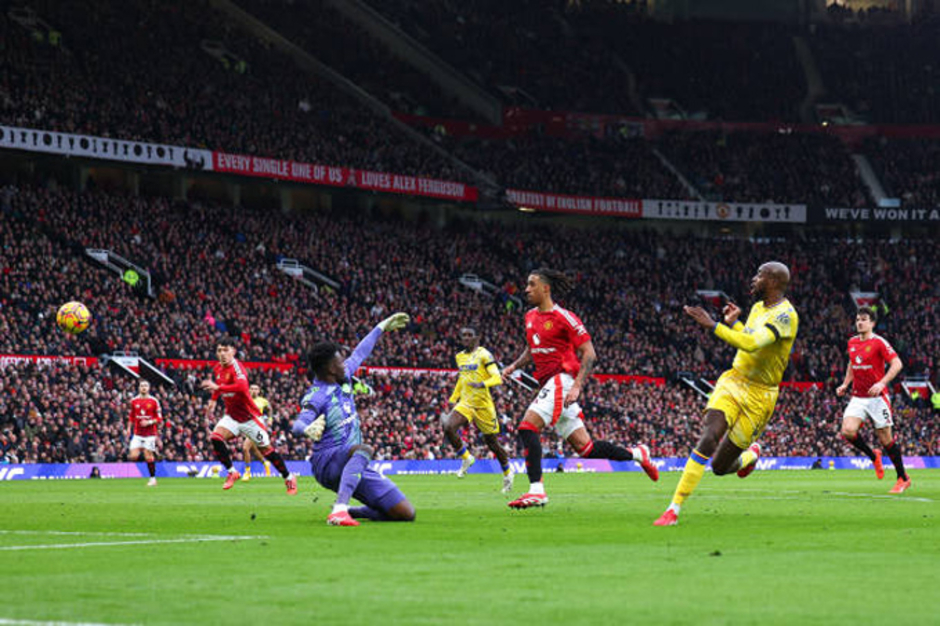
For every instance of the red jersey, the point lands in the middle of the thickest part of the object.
(233, 387)
(145, 409)
(553, 337)
(867, 360)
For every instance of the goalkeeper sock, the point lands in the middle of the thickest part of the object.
(861, 445)
(691, 475)
(894, 453)
(352, 474)
(532, 450)
(220, 447)
(278, 463)
(367, 512)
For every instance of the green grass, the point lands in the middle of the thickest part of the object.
(779, 548)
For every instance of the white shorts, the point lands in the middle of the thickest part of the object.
(549, 405)
(147, 443)
(877, 409)
(250, 430)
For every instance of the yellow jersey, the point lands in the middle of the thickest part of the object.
(764, 342)
(477, 366)
(265, 407)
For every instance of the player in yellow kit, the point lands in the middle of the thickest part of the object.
(478, 373)
(248, 447)
(743, 400)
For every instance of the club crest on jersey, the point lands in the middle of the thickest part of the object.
(547, 325)
(867, 348)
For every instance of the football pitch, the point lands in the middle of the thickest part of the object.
(778, 548)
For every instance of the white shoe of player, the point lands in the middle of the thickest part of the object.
(507, 481)
(152, 482)
(465, 466)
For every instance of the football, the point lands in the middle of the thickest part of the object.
(73, 317)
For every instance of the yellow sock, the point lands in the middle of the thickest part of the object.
(747, 457)
(267, 468)
(694, 469)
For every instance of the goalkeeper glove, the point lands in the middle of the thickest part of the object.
(315, 429)
(396, 322)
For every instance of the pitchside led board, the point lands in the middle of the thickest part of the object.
(183, 469)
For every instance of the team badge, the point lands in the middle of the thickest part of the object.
(548, 326)
(867, 348)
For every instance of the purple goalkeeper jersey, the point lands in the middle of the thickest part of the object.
(336, 403)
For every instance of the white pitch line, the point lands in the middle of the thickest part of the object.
(872, 496)
(74, 532)
(26, 622)
(193, 539)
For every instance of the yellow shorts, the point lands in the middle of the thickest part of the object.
(483, 417)
(748, 406)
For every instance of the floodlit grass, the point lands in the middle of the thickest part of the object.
(778, 548)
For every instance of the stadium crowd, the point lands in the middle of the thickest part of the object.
(767, 167)
(245, 97)
(623, 167)
(907, 169)
(77, 413)
(317, 27)
(215, 270)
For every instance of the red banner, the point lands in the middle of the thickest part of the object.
(561, 203)
(313, 174)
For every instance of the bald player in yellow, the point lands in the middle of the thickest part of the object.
(478, 373)
(743, 400)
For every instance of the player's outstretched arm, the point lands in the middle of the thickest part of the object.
(749, 342)
(396, 321)
(310, 424)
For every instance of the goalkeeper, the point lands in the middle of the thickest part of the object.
(340, 460)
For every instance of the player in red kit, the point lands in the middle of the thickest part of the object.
(564, 357)
(242, 416)
(868, 355)
(144, 418)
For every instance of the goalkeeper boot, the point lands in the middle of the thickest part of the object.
(745, 471)
(247, 475)
(267, 468)
(231, 479)
(529, 500)
(341, 518)
(879, 466)
(465, 465)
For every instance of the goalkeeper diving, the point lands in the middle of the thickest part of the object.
(328, 416)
